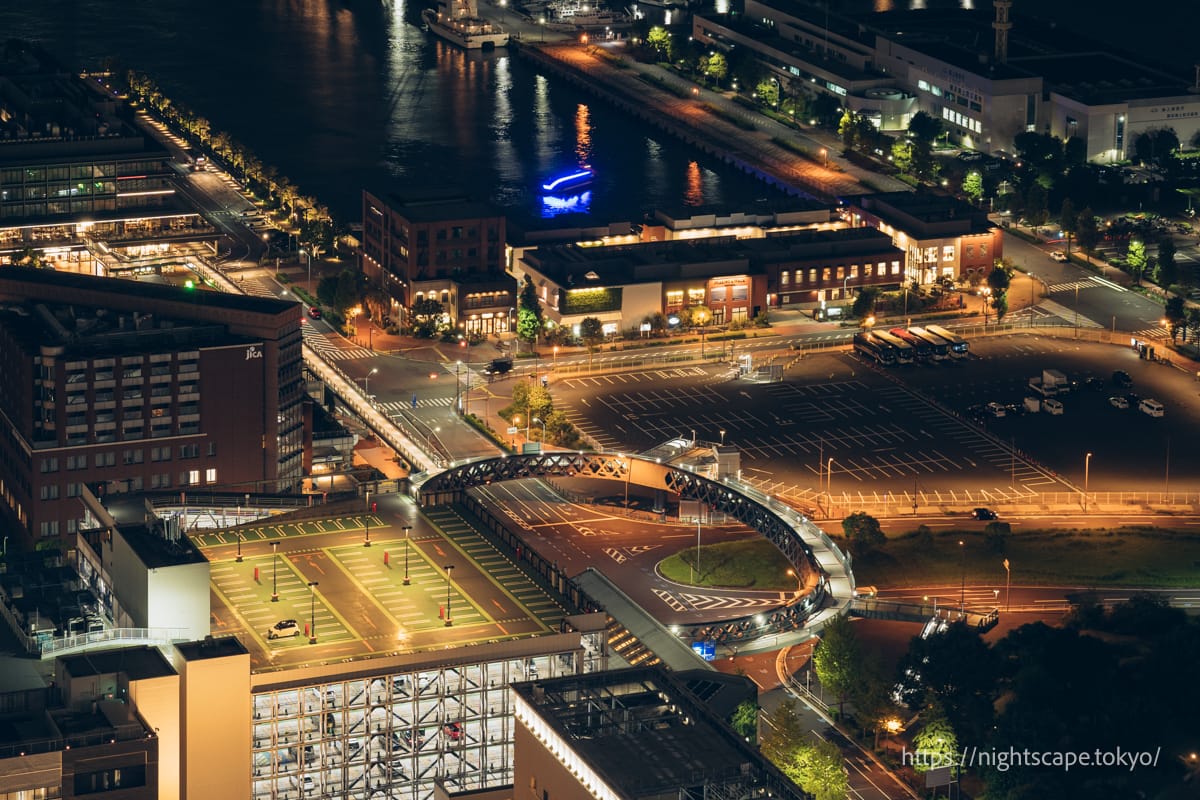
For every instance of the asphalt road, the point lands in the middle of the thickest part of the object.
(626, 550)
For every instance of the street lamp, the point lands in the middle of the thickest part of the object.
(1087, 463)
(986, 293)
(628, 465)
(312, 612)
(367, 380)
(448, 568)
(829, 483)
(697, 548)
(722, 436)
(1007, 586)
(556, 358)
(406, 529)
(542, 444)
(825, 157)
(367, 527)
(457, 387)
(274, 572)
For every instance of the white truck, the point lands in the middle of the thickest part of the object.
(1051, 383)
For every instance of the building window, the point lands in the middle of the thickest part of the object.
(854, 270)
(695, 297)
(982, 250)
(948, 253)
(675, 298)
(212, 448)
(49, 528)
(189, 451)
(812, 276)
(895, 267)
(106, 459)
(74, 489)
(193, 477)
(717, 294)
(49, 465)
(210, 475)
(784, 278)
(133, 456)
(740, 292)
(50, 491)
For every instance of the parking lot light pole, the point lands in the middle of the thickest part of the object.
(312, 612)
(1087, 463)
(274, 572)
(829, 483)
(1007, 586)
(407, 528)
(448, 568)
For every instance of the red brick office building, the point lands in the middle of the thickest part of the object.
(128, 387)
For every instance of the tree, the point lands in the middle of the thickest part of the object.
(864, 303)
(745, 720)
(767, 93)
(715, 66)
(1175, 315)
(591, 333)
(1087, 233)
(936, 745)
(902, 155)
(1068, 220)
(958, 671)
(848, 130)
(863, 533)
(783, 733)
(925, 127)
(836, 659)
(1166, 270)
(346, 293)
(427, 314)
(923, 164)
(817, 768)
(27, 258)
(660, 42)
(1075, 151)
(1035, 205)
(529, 313)
(1193, 325)
(1135, 259)
(973, 185)
(999, 280)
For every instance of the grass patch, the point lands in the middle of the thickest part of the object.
(1125, 556)
(752, 564)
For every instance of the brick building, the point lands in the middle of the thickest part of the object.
(127, 386)
(447, 248)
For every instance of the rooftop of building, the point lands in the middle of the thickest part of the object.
(1065, 60)
(574, 266)
(644, 734)
(923, 206)
(158, 546)
(436, 205)
(765, 210)
(47, 107)
(136, 663)
(768, 36)
(82, 330)
(211, 647)
(48, 284)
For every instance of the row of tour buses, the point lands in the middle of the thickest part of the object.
(910, 345)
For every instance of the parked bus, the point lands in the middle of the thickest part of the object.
(921, 349)
(939, 346)
(958, 345)
(904, 350)
(881, 353)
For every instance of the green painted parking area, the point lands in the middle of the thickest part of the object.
(267, 531)
(420, 605)
(247, 587)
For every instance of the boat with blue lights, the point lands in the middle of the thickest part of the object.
(571, 182)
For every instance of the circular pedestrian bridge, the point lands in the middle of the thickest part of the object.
(807, 548)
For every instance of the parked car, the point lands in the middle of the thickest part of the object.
(314, 312)
(1052, 406)
(1116, 401)
(1121, 379)
(984, 513)
(499, 366)
(996, 410)
(285, 627)
(453, 731)
(1151, 407)
(1095, 384)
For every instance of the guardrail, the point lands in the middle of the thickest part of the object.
(49, 648)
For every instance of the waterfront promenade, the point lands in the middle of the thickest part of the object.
(806, 161)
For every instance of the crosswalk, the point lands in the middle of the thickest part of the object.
(602, 438)
(396, 406)
(329, 350)
(1070, 286)
(1152, 335)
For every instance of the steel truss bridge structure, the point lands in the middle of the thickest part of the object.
(808, 549)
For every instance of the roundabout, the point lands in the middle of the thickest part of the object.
(825, 583)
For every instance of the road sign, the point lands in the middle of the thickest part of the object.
(706, 649)
(513, 429)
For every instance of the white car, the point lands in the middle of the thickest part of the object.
(1118, 402)
(996, 410)
(285, 627)
(1059, 255)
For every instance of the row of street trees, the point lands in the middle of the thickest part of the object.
(316, 225)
